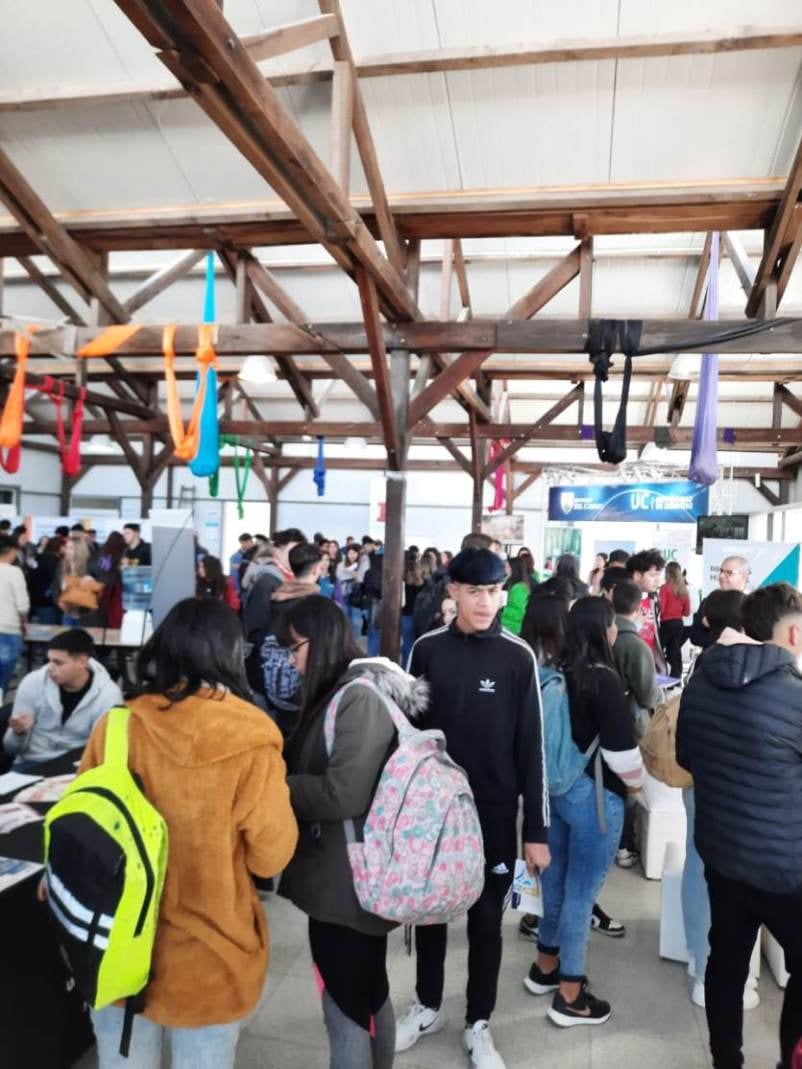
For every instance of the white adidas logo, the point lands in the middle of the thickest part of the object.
(487, 686)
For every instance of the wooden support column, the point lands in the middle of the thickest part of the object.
(477, 470)
(67, 484)
(395, 511)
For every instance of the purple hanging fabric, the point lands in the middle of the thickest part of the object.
(704, 454)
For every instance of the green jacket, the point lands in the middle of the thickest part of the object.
(636, 666)
(514, 611)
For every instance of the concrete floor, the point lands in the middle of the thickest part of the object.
(654, 1024)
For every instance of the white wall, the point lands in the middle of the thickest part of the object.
(37, 484)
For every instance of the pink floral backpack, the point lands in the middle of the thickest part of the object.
(421, 857)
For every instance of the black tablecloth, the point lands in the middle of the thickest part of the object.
(43, 1022)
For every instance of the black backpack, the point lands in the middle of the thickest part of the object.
(426, 614)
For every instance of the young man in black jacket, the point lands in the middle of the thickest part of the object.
(485, 697)
(739, 734)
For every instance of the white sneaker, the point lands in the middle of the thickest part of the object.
(478, 1042)
(417, 1021)
(751, 997)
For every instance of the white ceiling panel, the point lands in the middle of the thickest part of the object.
(533, 126)
(376, 26)
(701, 116)
(516, 22)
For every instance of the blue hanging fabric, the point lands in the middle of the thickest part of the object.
(704, 451)
(320, 467)
(207, 459)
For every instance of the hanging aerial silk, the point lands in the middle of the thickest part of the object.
(70, 453)
(185, 442)
(501, 414)
(207, 459)
(319, 475)
(241, 472)
(14, 409)
(703, 468)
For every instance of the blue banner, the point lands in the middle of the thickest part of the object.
(678, 502)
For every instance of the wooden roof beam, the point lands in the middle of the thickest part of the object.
(524, 308)
(422, 62)
(782, 241)
(52, 291)
(209, 58)
(162, 279)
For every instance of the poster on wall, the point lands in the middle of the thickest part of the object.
(559, 540)
(769, 562)
(674, 502)
(678, 545)
(509, 530)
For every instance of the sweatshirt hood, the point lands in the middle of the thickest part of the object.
(736, 665)
(411, 695)
(294, 589)
(211, 726)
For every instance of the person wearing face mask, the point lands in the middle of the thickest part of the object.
(485, 698)
(734, 573)
(739, 734)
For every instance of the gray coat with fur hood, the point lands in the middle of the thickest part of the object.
(325, 791)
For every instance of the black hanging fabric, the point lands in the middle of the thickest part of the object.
(602, 337)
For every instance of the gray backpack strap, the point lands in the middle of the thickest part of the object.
(598, 775)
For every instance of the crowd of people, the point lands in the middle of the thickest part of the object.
(542, 685)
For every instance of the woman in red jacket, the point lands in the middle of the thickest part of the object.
(675, 602)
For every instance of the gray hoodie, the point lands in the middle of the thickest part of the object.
(39, 696)
(327, 791)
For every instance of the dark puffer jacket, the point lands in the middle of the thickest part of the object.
(740, 735)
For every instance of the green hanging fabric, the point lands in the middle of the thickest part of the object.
(241, 471)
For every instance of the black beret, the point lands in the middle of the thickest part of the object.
(479, 567)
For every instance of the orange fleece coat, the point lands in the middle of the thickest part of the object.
(212, 766)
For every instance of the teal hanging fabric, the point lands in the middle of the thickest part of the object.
(207, 459)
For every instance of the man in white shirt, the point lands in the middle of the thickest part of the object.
(14, 607)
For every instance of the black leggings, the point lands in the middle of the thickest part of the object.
(672, 639)
(353, 968)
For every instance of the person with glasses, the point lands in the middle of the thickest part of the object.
(734, 573)
(329, 785)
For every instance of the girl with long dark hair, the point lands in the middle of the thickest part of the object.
(568, 568)
(105, 569)
(328, 786)
(213, 583)
(519, 587)
(582, 851)
(211, 764)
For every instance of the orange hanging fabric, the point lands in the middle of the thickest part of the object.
(11, 420)
(186, 442)
(109, 340)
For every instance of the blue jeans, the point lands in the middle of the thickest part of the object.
(211, 1047)
(581, 857)
(70, 621)
(10, 649)
(356, 618)
(695, 899)
(47, 614)
(407, 639)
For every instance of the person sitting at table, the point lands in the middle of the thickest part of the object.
(56, 706)
(210, 762)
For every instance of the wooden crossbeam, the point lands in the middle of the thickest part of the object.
(462, 275)
(52, 291)
(199, 46)
(435, 60)
(787, 398)
(457, 454)
(235, 263)
(341, 50)
(378, 358)
(700, 283)
(290, 37)
(342, 121)
(522, 439)
(693, 206)
(524, 308)
(744, 269)
(555, 337)
(266, 281)
(162, 279)
(51, 238)
(531, 478)
(738, 438)
(782, 240)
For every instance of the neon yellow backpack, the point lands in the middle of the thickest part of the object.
(106, 859)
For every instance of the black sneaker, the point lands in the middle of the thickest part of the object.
(587, 1009)
(541, 983)
(601, 922)
(528, 928)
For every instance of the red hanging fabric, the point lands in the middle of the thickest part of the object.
(70, 454)
(9, 461)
